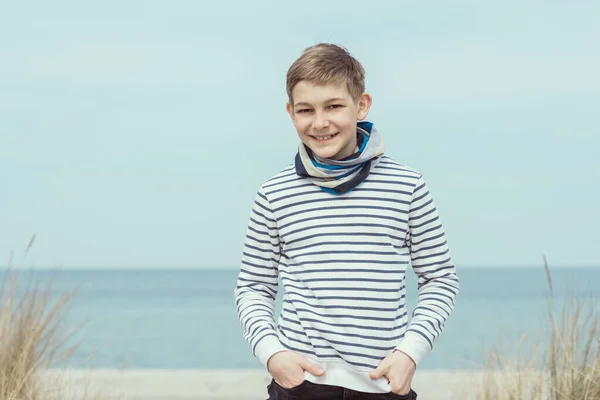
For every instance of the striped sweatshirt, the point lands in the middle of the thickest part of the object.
(342, 261)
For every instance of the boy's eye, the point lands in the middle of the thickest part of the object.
(305, 110)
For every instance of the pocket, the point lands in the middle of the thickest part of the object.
(294, 389)
(411, 395)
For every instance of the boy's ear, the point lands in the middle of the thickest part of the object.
(364, 105)
(290, 109)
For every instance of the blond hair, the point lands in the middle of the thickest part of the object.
(327, 63)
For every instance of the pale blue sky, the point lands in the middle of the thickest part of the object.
(136, 133)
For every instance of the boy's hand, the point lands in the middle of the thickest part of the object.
(399, 370)
(287, 368)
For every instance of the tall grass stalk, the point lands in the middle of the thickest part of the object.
(566, 368)
(573, 361)
(32, 337)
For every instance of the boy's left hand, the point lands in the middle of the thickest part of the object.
(399, 370)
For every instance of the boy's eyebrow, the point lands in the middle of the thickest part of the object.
(303, 103)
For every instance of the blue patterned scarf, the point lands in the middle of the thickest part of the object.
(341, 176)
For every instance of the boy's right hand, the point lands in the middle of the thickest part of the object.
(287, 368)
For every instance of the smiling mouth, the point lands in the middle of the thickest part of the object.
(325, 137)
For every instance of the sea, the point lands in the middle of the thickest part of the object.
(186, 318)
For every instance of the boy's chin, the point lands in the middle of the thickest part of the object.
(325, 153)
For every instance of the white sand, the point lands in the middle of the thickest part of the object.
(216, 384)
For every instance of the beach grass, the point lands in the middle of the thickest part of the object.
(564, 364)
(33, 336)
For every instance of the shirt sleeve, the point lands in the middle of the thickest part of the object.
(438, 284)
(257, 283)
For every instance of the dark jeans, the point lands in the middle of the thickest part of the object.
(311, 391)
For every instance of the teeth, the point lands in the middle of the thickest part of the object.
(324, 137)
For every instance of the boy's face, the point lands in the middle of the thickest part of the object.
(325, 117)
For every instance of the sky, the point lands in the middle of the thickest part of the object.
(135, 134)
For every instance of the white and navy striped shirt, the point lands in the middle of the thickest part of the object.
(342, 260)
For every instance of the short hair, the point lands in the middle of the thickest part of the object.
(327, 63)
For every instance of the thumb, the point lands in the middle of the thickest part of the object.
(378, 372)
(314, 369)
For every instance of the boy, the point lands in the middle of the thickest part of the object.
(340, 227)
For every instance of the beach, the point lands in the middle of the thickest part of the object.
(196, 384)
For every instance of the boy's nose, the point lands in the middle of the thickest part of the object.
(320, 122)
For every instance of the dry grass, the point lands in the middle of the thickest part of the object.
(573, 362)
(567, 367)
(32, 337)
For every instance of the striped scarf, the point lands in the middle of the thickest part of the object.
(341, 176)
